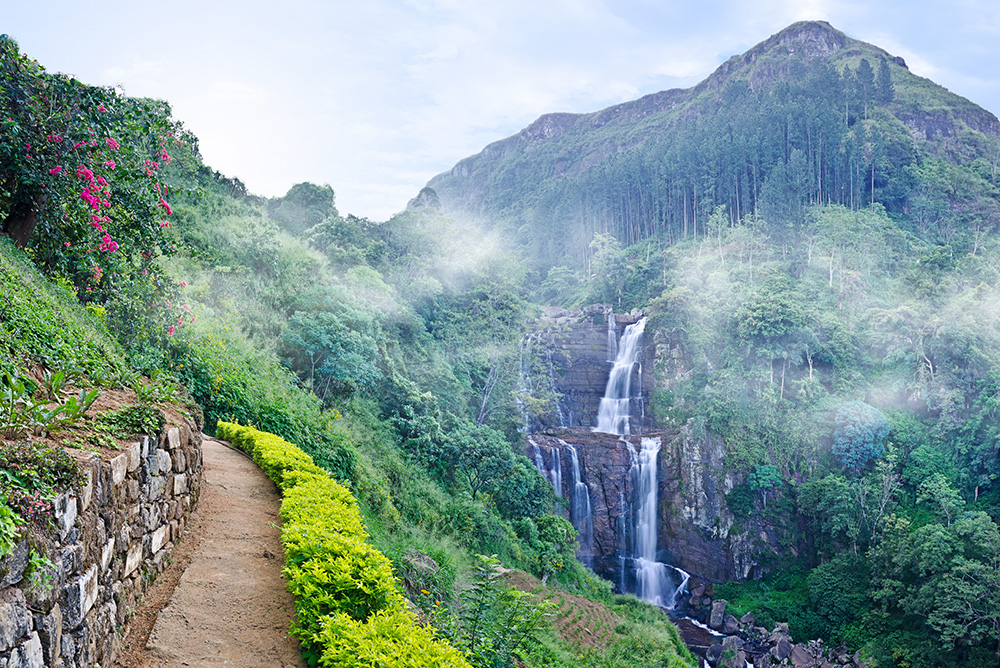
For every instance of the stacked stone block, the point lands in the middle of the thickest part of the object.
(113, 535)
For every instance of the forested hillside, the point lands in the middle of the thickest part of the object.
(810, 116)
(382, 349)
(812, 232)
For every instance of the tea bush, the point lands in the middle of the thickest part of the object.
(349, 609)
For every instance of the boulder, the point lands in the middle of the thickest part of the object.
(717, 617)
(747, 620)
(800, 658)
(781, 649)
(730, 625)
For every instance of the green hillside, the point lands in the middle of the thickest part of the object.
(360, 342)
(810, 116)
(812, 232)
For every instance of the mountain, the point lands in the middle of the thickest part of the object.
(810, 115)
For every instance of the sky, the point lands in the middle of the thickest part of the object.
(375, 97)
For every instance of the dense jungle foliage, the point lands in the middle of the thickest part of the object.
(385, 352)
(816, 237)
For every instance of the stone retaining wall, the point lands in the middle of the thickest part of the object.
(114, 534)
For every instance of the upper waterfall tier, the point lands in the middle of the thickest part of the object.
(614, 412)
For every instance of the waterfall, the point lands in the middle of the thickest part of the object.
(556, 474)
(653, 582)
(552, 473)
(612, 338)
(682, 587)
(537, 454)
(639, 569)
(580, 513)
(613, 413)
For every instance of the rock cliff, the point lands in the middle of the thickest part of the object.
(696, 530)
(574, 347)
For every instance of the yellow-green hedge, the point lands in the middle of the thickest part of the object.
(349, 609)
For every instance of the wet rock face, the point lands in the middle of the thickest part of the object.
(575, 343)
(695, 528)
(605, 463)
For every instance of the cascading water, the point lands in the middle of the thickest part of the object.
(639, 569)
(612, 337)
(552, 473)
(653, 582)
(580, 513)
(613, 414)
(536, 452)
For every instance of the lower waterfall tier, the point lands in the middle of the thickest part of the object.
(694, 529)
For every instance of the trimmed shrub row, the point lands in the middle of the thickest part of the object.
(349, 609)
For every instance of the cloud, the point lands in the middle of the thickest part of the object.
(377, 97)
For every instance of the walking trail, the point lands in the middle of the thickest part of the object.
(222, 601)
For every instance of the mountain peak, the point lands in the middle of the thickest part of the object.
(818, 38)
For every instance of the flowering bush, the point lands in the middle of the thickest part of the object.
(79, 186)
(30, 476)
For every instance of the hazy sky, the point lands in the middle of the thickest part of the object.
(375, 97)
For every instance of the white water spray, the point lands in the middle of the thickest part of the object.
(580, 512)
(613, 412)
(653, 581)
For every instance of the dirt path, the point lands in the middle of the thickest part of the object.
(224, 601)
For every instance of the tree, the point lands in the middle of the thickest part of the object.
(304, 206)
(938, 492)
(484, 457)
(859, 434)
(81, 189)
(764, 478)
(865, 84)
(885, 92)
(334, 347)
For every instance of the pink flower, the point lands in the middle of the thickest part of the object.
(166, 206)
(55, 170)
(112, 144)
(182, 284)
(66, 244)
(171, 330)
(180, 321)
(100, 107)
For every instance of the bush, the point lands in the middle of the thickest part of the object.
(388, 640)
(349, 609)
